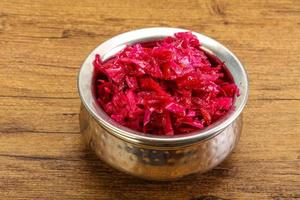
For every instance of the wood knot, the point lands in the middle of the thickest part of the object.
(2, 14)
(217, 7)
(210, 197)
(68, 33)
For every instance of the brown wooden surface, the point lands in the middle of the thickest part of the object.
(42, 45)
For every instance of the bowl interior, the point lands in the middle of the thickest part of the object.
(116, 44)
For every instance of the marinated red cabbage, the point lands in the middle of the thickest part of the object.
(166, 87)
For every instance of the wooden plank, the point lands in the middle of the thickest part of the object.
(35, 79)
(92, 179)
(39, 115)
(61, 157)
(43, 43)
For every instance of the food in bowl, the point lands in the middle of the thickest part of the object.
(159, 157)
(166, 87)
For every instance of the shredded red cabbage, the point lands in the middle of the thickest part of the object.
(165, 87)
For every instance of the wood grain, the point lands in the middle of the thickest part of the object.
(43, 43)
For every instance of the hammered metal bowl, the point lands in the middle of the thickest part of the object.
(159, 157)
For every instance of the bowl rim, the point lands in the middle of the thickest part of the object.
(115, 44)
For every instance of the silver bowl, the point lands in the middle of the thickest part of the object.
(159, 157)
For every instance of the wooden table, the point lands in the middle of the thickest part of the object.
(43, 43)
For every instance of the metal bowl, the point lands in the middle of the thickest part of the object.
(159, 157)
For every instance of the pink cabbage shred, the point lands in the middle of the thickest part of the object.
(166, 87)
